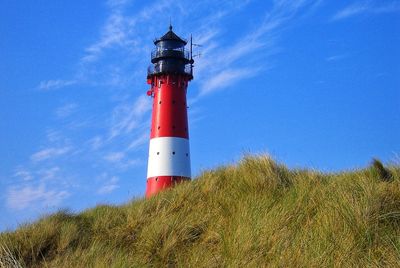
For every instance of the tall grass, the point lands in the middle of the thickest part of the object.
(257, 213)
(7, 259)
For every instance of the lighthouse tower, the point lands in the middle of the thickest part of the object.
(169, 75)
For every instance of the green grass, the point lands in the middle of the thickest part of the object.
(254, 214)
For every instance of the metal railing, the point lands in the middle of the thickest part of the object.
(170, 53)
(151, 70)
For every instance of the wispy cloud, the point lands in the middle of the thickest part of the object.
(37, 186)
(49, 153)
(115, 156)
(107, 188)
(23, 174)
(336, 57)
(366, 7)
(142, 139)
(121, 161)
(110, 185)
(250, 49)
(225, 79)
(96, 142)
(66, 110)
(117, 3)
(113, 34)
(127, 117)
(48, 173)
(27, 196)
(55, 84)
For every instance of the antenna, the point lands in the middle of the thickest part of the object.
(199, 53)
(191, 55)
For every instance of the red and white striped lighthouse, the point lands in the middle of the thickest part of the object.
(169, 74)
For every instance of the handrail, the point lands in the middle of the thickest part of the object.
(170, 53)
(151, 70)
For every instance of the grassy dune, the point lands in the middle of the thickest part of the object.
(254, 214)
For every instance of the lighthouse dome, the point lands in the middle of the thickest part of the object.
(171, 38)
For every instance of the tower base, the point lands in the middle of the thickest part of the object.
(157, 184)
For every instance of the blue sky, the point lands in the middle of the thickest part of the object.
(313, 83)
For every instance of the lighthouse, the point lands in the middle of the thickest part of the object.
(168, 77)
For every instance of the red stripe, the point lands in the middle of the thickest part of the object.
(157, 184)
(169, 116)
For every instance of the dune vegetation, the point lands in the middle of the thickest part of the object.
(255, 213)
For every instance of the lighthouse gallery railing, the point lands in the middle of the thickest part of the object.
(151, 70)
(155, 54)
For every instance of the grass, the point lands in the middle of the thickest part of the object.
(254, 214)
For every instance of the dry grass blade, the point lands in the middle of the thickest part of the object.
(7, 259)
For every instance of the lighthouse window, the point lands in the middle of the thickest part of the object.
(187, 154)
(159, 102)
(156, 178)
(158, 127)
(173, 152)
(158, 153)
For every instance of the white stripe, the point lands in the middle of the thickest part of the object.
(169, 156)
